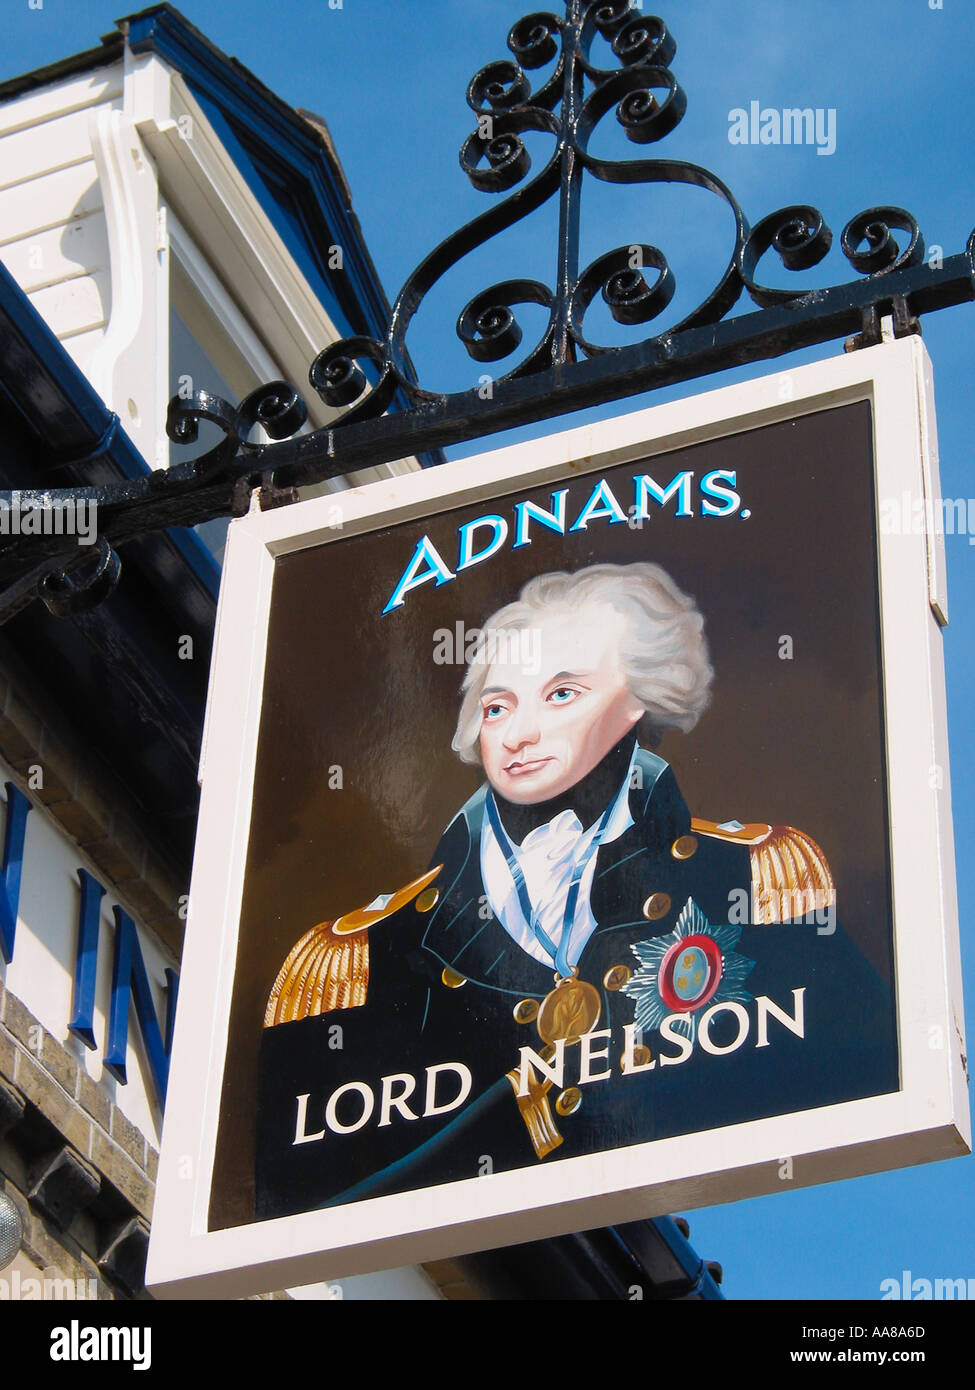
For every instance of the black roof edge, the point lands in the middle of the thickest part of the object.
(112, 48)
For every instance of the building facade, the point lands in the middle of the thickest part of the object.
(166, 224)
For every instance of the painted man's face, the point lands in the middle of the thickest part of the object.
(545, 727)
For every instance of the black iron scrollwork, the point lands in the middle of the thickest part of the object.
(801, 239)
(69, 592)
(620, 277)
(635, 282)
(882, 254)
(551, 85)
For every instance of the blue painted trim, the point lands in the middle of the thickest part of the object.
(18, 809)
(172, 994)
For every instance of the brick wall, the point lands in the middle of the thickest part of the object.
(83, 1174)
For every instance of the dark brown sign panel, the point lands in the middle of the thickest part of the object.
(569, 827)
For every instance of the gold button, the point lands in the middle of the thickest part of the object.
(427, 900)
(640, 1055)
(656, 906)
(452, 979)
(569, 1101)
(526, 1011)
(684, 847)
(548, 1053)
(617, 977)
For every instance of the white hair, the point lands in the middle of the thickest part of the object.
(663, 651)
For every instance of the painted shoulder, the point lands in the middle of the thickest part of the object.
(651, 769)
(471, 815)
(790, 873)
(655, 798)
(328, 968)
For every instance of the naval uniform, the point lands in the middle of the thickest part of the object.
(668, 916)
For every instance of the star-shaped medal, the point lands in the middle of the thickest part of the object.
(694, 965)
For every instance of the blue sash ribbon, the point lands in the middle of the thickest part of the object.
(558, 953)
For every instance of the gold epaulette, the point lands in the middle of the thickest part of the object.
(329, 967)
(790, 875)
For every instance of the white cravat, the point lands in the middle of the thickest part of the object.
(548, 857)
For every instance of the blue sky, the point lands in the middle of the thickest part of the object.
(389, 77)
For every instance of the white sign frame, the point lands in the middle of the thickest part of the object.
(927, 1119)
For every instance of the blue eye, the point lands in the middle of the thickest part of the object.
(563, 695)
(493, 711)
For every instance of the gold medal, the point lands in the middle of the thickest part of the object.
(571, 1009)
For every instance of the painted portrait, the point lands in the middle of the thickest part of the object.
(553, 848)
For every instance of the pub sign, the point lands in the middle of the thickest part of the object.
(575, 840)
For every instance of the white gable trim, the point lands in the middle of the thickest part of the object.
(129, 368)
(200, 274)
(217, 208)
(214, 204)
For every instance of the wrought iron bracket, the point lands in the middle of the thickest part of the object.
(565, 369)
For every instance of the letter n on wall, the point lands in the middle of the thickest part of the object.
(128, 977)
